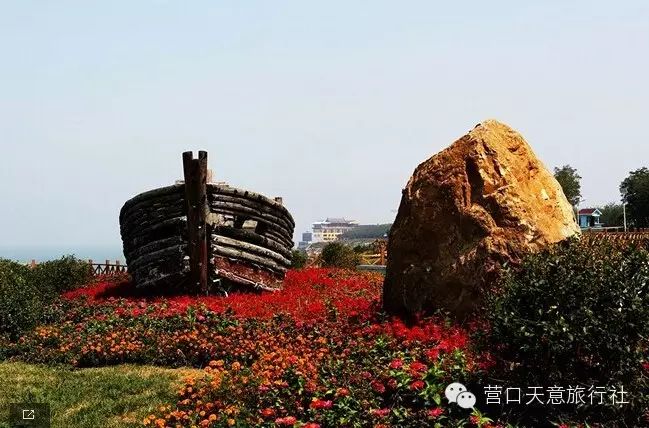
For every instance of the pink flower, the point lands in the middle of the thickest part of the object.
(435, 413)
(286, 421)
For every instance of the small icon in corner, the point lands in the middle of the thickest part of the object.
(29, 415)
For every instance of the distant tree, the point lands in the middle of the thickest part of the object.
(360, 248)
(570, 182)
(298, 259)
(367, 231)
(339, 255)
(636, 186)
(612, 215)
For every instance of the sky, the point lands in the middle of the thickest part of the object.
(330, 105)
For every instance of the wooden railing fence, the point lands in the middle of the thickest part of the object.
(379, 258)
(107, 268)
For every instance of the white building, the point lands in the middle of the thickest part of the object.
(330, 229)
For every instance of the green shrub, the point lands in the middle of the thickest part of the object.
(576, 314)
(298, 259)
(25, 293)
(21, 303)
(338, 255)
(61, 275)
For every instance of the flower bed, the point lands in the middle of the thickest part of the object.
(317, 353)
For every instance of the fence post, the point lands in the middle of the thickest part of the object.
(195, 171)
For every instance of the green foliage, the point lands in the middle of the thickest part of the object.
(298, 259)
(26, 293)
(362, 248)
(21, 303)
(367, 231)
(636, 186)
(339, 255)
(577, 313)
(61, 275)
(570, 182)
(612, 215)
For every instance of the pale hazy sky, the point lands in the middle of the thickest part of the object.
(328, 104)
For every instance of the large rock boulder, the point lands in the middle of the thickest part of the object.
(480, 203)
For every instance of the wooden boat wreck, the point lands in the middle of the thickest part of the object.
(203, 237)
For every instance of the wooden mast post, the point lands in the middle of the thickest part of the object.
(195, 171)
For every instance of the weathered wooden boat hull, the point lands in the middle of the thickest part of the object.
(249, 238)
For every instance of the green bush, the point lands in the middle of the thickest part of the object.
(576, 314)
(338, 255)
(25, 293)
(21, 303)
(61, 275)
(298, 259)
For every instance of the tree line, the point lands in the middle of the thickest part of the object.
(634, 192)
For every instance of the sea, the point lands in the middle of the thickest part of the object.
(25, 254)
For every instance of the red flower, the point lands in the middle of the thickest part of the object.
(321, 404)
(417, 385)
(378, 387)
(486, 362)
(311, 425)
(267, 412)
(342, 392)
(432, 354)
(381, 413)
(435, 413)
(645, 365)
(418, 366)
(396, 364)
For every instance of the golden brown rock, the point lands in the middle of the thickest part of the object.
(480, 203)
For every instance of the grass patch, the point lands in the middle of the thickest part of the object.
(119, 396)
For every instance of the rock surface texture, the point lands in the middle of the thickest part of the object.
(482, 202)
